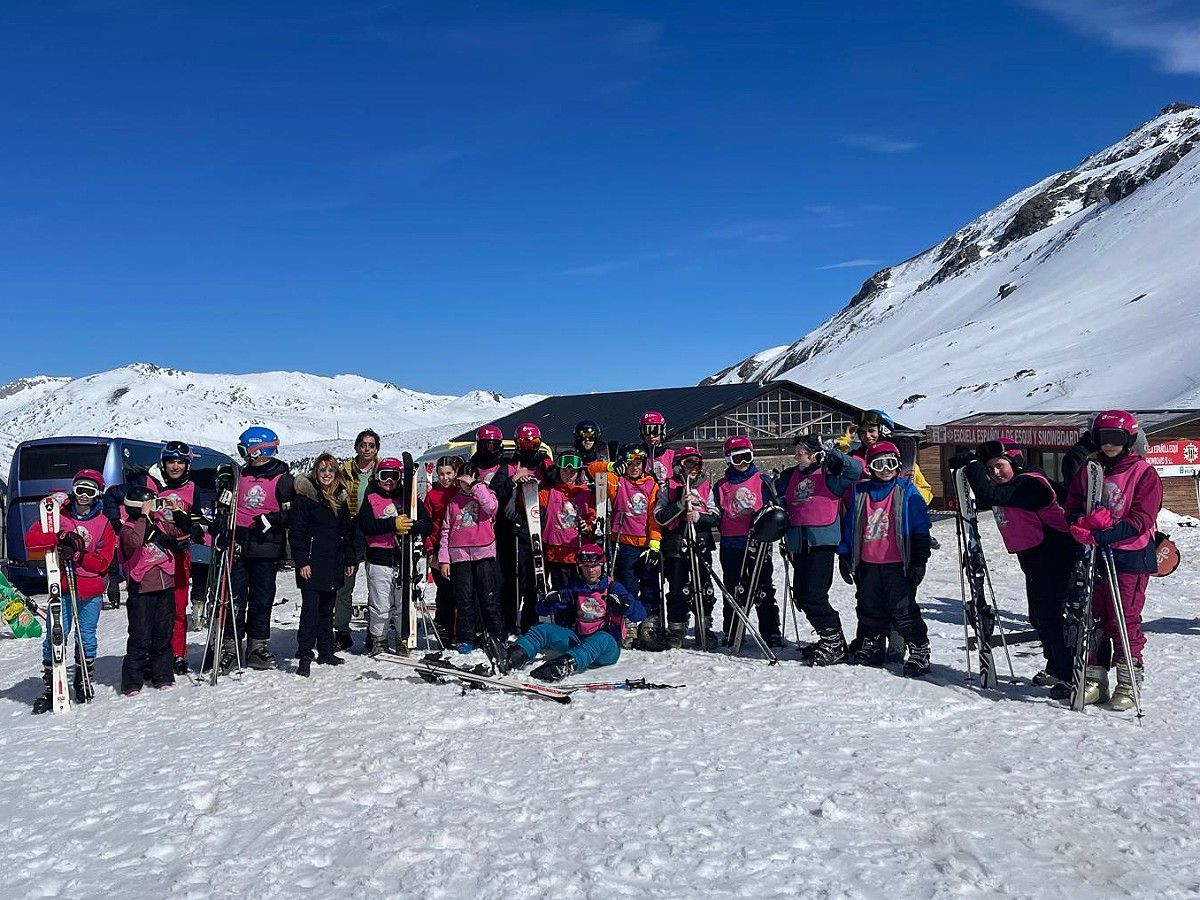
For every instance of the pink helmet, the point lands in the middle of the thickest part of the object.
(738, 442)
(488, 433)
(89, 475)
(528, 436)
(591, 554)
(1113, 421)
(687, 452)
(652, 424)
(879, 448)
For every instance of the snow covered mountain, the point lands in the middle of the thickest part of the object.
(1079, 292)
(151, 402)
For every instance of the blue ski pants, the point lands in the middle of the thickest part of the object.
(599, 649)
(89, 618)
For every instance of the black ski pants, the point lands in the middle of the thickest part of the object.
(148, 655)
(680, 593)
(443, 617)
(522, 614)
(887, 601)
(1049, 570)
(639, 579)
(812, 577)
(476, 585)
(316, 623)
(764, 600)
(253, 597)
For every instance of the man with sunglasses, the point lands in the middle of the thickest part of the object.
(357, 470)
(741, 492)
(85, 541)
(884, 551)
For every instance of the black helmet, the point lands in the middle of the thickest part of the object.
(136, 495)
(586, 428)
(811, 442)
(770, 524)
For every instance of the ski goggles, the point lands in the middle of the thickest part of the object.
(884, 464)
(591, 559)
(586, 434)
(638, 455)
(254, 451)
(389, 474)
(176, 450)
(86, 490)
(738, 457)
(570, 461)
(652, 430)
(488, 445)
(691, 463)
(1114, 436)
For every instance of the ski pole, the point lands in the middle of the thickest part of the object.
(1110, 571)
(962, 586)
(1000, 625)
(629, 684)
(85, 677)
(745, 619)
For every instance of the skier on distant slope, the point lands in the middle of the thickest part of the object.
(263, 505)
(1124, 524)
(85, 540)
(1034, 527)
(740, 493)
(588, 622)
(884, 549)
(811, 490)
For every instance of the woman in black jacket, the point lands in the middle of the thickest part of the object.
(322, 548)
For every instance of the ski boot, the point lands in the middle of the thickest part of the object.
(775, 641)
(45, 703)
(304, 667)
(1096, 688)
(343, 640)
(517, 657)
(917, 664)
(675, 633)
(829, 650)
(181, 665)
(629, 635)
(85, 688)
(556, 669)
(328, 659)
(229, 657)
(1045, 679)
(1122, 695)
(258, 656)
(712, 639)
(651, 635)
(872, 650)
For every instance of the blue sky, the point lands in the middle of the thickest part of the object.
(548, 197)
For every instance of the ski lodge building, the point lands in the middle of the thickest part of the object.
(770, 414)
(1172, 437)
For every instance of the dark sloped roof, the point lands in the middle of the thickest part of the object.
(618, 413)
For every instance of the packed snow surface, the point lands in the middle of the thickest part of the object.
(363, 781)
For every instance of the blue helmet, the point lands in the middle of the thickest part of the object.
(176, 450)
(257, 441)
(879, 418)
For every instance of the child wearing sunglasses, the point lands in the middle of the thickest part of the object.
(86, 542)
(383, 519)
(884, 550)
(567, 513)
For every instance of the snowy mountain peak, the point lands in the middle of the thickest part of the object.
(152, 402)
(1014, 309)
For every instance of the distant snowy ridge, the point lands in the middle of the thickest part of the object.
(152, 403)
(1078, 292)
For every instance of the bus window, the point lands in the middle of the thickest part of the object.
(60, 462)
(137, 459)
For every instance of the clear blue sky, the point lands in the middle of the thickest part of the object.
(521, 196)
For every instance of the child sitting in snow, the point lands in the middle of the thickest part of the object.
(589, 622)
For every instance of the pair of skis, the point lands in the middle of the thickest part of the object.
(433, 668)
(980, 612)
(60, 695)
(405, 577)
(218, 593)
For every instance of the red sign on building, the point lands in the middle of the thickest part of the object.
(1041, 437)
(1173, 458)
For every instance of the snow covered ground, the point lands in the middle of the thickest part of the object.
(752, 782)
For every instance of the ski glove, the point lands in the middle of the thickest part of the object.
(1099, 519)
(962, 459)
(844, 569)
(651, 557)
(403, 524)
(70, 546)
(1083, 535)
(618, 467)
(916, 574)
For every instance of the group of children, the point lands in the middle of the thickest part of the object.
(847, 500)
